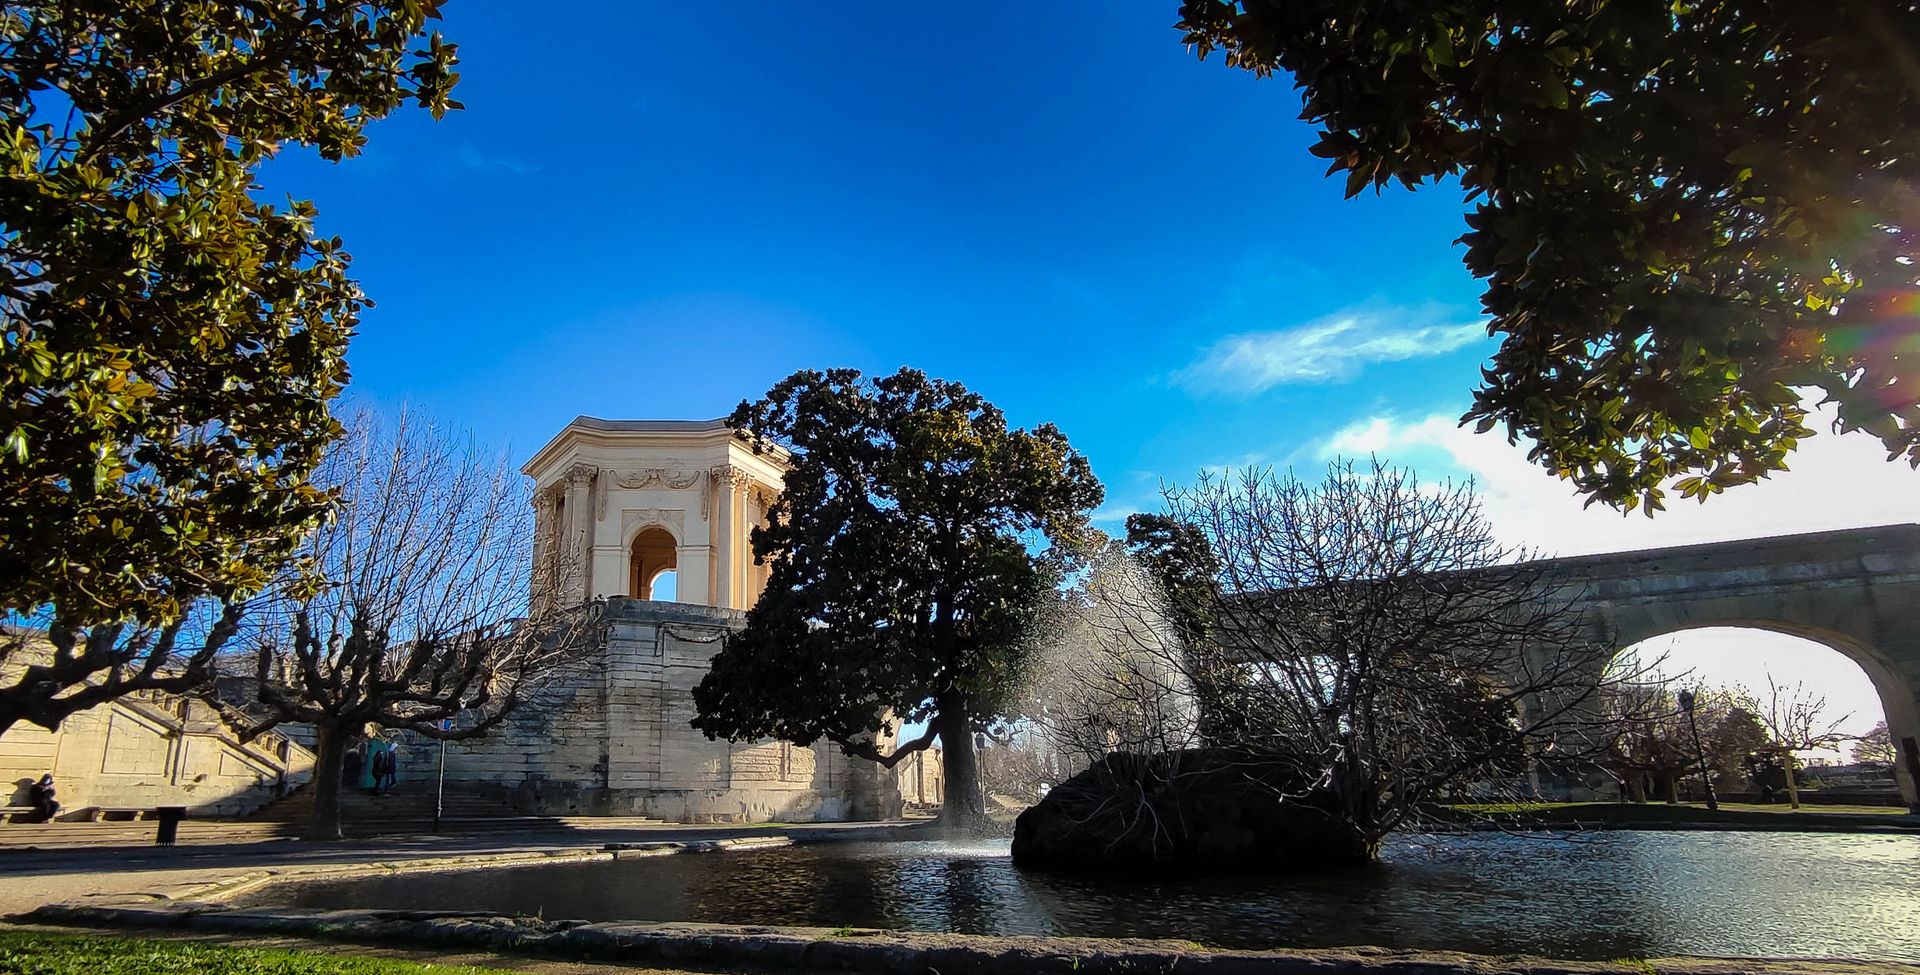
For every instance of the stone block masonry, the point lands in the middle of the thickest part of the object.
(615, 737)
(149, 749)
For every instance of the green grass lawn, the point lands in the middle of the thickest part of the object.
(1658, 815)
(43, 953)
(1654, 808)
(1782, 807)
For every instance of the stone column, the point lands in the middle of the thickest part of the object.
(725, 510)
(742, 548)
(541, 580)
(576, 572)
(696, 575)
(760, 571)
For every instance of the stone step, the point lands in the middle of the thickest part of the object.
(21, 835)
(136, 834)
(357, 804)
(286, 813)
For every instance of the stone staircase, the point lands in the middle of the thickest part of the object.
(404, 810)
(410, 810)
(15, 836)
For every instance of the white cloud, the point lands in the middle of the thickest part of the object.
(1330, 349)
(1834, 482)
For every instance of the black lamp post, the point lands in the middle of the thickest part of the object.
(1706, 779)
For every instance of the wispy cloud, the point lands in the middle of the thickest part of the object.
(1330, 349)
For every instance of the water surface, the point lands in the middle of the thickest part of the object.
(1599, 896)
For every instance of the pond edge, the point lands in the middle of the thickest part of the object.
(767, 948)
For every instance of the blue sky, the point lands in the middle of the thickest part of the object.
(1056, 205)
(652, 210)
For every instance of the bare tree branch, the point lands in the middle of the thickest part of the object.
(415, 614)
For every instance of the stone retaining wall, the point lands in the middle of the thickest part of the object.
(615, 738)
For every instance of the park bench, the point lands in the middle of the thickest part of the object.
(10, 814)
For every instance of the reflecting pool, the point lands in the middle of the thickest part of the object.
(1601, 895)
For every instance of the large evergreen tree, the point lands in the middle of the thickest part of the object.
(903, 577)
(1688, 211)
(171, 343)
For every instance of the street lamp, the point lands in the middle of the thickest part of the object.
(1686, 704)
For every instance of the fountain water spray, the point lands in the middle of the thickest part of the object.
(1109, 670)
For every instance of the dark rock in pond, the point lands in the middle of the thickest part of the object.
(1196, 811)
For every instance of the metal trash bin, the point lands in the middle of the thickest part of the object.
(170, 817)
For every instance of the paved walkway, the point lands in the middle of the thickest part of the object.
(32, 877)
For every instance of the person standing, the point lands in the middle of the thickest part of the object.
(350, 766)
(382, 768)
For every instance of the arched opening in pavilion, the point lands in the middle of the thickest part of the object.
(653, 561)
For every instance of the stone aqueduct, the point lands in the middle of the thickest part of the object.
(1856, 591)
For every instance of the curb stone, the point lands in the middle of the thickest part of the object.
(869, 950)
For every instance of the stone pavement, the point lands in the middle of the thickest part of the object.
(30, 878)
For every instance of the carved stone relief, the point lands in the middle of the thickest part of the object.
(675, 480)
(673, 519)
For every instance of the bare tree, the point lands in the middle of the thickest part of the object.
(413, 612)
(1796, 721)
(1647, 740)
(52, 667)
(1371, 651)
(1371, 638)
(1394, 650)
(1647, 737)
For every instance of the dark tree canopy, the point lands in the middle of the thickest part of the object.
(1687, 211)
(1182, 561)
(902, 579)
(1875, 747)
(171, 343)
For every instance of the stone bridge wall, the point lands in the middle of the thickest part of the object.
(1856, 591)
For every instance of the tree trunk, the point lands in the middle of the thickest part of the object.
(1637, 787)
(332, 752)
(1787, 763)
(963, 808)
(1671, 781)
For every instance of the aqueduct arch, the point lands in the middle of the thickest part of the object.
(1856, 591)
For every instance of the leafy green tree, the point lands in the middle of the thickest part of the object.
(172, 343)
(1736, 734)
(1875, 747)
(902, 580)
(1688, 211)
(1180, 558)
